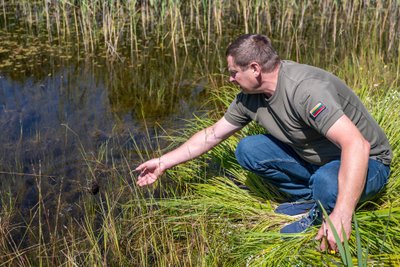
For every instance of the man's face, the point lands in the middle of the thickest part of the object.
(244, 78)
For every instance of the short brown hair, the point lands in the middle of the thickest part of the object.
(253, 47)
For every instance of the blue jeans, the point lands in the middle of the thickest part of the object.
(279, 165)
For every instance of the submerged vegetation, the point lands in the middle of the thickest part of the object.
(207, 212)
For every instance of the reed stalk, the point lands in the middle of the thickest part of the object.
(66, 17)
(208, 20)
(173, 36)
(183, 32)
(57, 16)
(3, 4)
(143, 13)
(217, 16)
(48, 21)
(133, 30)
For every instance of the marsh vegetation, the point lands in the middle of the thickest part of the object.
(90, 88)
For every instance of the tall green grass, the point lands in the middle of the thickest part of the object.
(115, 24)
(255, 238)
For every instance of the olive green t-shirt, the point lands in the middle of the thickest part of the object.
(306, 103)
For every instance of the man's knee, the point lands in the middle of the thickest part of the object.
(325, 190)
(244, 151)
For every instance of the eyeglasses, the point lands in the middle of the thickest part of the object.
(232, 73)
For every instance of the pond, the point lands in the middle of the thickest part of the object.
(60, 105)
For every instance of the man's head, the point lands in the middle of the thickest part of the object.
(250, 48)
(249, 56)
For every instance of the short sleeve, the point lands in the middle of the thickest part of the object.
(236, 114)
(318, 104)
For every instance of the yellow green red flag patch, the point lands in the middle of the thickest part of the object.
(315, 111)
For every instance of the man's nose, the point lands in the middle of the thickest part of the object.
(231, 79)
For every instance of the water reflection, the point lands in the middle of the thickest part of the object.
(59, 104)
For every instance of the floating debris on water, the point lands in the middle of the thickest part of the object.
(93, 187)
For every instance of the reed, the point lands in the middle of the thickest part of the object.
(3, 5)
(106, 24)
(48, 21)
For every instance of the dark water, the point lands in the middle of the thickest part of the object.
(64, 112)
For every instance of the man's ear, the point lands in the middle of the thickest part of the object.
(256, 68)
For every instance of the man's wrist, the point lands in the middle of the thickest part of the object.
(343, 212)
(162, 164)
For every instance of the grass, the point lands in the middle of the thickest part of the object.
(200, 213)
(255, 228)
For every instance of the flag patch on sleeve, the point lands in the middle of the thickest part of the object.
(317, 110)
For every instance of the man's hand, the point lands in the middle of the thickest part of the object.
(149, 171)
(341, 223)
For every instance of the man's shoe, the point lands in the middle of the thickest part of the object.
(312, 218)
(295, 208)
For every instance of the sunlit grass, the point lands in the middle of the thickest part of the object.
(248, 213)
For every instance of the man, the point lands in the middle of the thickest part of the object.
(321, 146)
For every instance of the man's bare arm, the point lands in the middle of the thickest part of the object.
(351, 179)
(198, 144)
